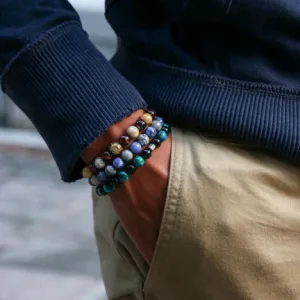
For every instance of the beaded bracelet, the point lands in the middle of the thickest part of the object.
(122, 175)
(148, 128)
(117, 147)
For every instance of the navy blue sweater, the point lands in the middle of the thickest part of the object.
(231, 67)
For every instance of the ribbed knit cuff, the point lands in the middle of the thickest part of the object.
(70, 92)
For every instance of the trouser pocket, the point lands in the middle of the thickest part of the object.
(230, 229)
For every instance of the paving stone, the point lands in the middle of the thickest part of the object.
(19, 284)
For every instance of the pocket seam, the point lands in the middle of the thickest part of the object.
(170, 213)
(123, 257)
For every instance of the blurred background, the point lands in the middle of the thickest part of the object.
(47, 247)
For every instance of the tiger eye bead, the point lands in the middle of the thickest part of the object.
(107, 156)
(124, 140)
(115, 148)
(147, 118)
(151, 112)
(86, 172)
(141, 125)
(133, 132)
(93, 169)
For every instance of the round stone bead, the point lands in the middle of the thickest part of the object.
(123, 176)
(118, 163)
(143, 139)
(110, 170)
(93, 169)
(156, 142)
(115, 148)
(159, 119)
(100, 191)
(157, 125)
(99, 163)
(162, 135)
(108, 187)
(136, 147)
(141, 125)
(94, 181)
(86, 172)
(130, 169)
(107, 156)
(101, 176)
(127, 155)
(151, 132)
(124, 140)
(152, 147)
(146, 154)
(166, 129)
(147, 118)
(138, 161)
(152, 112)
(133, 132)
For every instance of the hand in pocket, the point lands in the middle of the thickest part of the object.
(139, 202)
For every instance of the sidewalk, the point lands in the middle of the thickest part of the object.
(47, 248)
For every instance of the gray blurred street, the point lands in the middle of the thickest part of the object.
(47, 248)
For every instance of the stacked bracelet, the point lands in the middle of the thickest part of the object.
(122, 158)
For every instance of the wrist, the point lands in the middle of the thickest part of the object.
(111, 135)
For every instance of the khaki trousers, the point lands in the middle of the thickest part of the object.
(230, 231)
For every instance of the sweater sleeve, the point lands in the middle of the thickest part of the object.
(59, 79)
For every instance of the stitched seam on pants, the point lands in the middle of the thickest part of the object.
(173, 197)
(127, 260)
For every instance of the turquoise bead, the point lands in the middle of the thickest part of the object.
(123, 176)
(162, 135)
(138, 161)
(108, 187)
